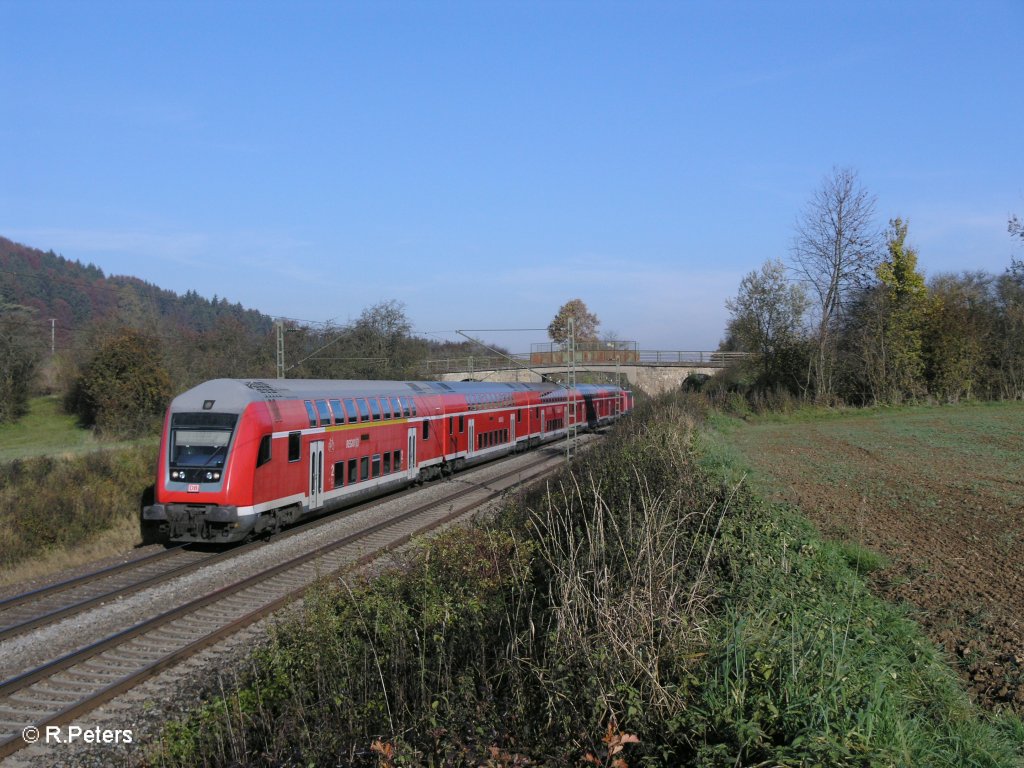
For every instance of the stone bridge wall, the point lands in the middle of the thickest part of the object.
(651, 379)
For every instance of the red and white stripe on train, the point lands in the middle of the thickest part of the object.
(245, 457)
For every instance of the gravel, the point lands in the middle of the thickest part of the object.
(174, 692)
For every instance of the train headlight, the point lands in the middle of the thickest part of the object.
(209, 475)
(216, 475)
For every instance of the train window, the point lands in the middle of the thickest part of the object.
(462, 424)
(294, 446)
(263, 456)
(324, 412)
(398, 461)
(385, 406)
(375, 465)
(364, 412)
(350, 410)
(412, 405)
(387, 463)
(375, 408)
(311, 413)
(339, 474)
(364, 468)
(396, 407)
(426, 429)
(405, 406)
(339, 414)
(451, 425)
(519, 416)
(352, 476)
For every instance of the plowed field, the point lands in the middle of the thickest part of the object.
(940, 492)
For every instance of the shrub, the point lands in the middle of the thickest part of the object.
(123, 390)
(50, 503)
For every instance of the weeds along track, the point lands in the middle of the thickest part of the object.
(52, 603)
(62, 689)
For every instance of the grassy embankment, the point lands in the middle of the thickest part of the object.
(65, 498)
(939, 492)
(638, 609)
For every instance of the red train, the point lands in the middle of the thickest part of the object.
(246, 457)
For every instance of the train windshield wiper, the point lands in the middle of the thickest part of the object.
(212, 456)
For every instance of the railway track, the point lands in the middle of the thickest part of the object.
(60, 690)
(49, 604)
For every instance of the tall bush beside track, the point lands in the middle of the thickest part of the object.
(637, 598)
(58, 502)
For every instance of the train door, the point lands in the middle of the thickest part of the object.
(316, 474)
(471, 435)
(411, 454)
(512, 428)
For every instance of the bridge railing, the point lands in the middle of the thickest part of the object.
(473, 363)
(703, 359)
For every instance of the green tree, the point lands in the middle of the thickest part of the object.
(767, 320)
(124, 389)
(21, 345)
(960, 335)
(1009, 290)
(887, 329)
(585, 322)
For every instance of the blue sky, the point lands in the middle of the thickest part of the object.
(484, 162)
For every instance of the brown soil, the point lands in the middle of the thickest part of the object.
(949, 518)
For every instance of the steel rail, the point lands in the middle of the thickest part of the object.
(72, 608)
(109, 691)
(61, 586)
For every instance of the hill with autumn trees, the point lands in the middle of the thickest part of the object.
(75, 295)
(120, 342)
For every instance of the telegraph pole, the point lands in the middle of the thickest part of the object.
(570, 391)
(280, 348)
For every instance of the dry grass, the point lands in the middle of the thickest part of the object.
(119, 541)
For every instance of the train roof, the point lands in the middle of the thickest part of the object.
(235, 394)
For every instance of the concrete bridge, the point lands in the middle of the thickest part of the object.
(653, 372)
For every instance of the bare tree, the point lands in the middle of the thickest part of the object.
(835, 252)
(1015, 227)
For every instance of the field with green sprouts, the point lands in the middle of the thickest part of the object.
(937, 493)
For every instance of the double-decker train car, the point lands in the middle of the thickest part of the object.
(240, 458)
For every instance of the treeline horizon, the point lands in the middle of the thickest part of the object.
(121, 347)
(849, 317)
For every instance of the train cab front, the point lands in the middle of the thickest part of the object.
(192, 500)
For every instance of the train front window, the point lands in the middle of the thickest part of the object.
(199, 448)
(199, 441)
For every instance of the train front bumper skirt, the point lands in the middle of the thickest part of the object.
(201, 522)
